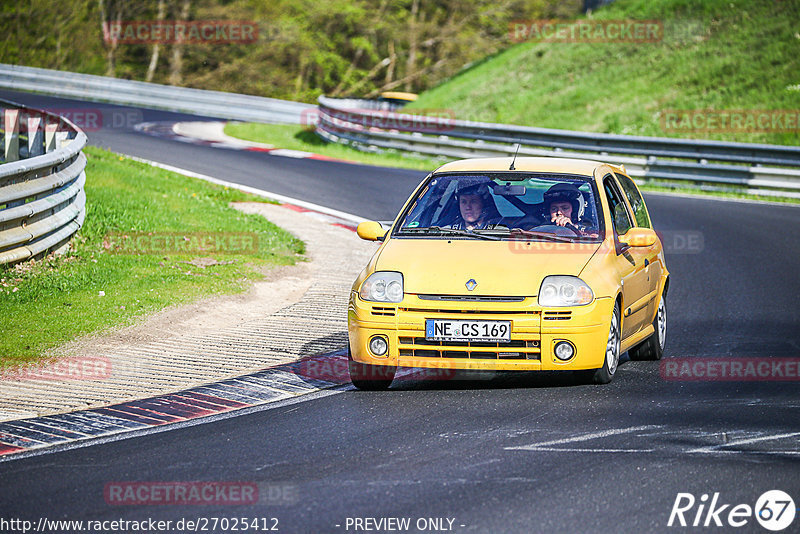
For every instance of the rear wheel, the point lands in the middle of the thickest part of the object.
(369, 377)
(652, 348)
(605, 374)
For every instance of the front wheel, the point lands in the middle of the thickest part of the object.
(652, 348)
(369, 377)
(605, 374)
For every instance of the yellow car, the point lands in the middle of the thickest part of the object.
(527, 264)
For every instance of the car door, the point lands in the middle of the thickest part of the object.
(630, 262)
(641, 218)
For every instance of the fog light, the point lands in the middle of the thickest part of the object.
(564, 350)
(378, 346)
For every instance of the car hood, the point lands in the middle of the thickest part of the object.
(436, 266)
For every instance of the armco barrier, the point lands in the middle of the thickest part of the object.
(768, 170)
(650, 158)
(151, 95)
(42, 201)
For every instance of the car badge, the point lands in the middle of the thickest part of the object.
(471, 284)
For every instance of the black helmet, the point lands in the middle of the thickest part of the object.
(474, 185)
(564, 192)
(479, 185)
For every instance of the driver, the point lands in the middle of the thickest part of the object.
(476, 207)
(563, 203)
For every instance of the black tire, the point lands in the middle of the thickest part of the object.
(605, 374)
(369, 377)
(652, 348)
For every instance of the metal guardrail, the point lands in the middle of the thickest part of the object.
(42, 201)
(649, 158)
(373, 125)
(216, 104)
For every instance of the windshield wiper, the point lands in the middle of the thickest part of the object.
(446, 231)
(543, 235)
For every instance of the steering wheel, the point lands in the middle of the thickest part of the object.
(568, 230)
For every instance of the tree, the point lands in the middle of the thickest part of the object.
(151, 68)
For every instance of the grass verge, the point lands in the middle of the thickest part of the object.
(46, 303)
(714, 55)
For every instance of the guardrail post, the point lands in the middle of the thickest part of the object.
(35, 135)
(11, 135)
(50, 128)
(62, 139)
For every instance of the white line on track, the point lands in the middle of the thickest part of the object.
(583, 437)
(756, 452)
(715, 448)
(565, 449)
(255, 191)
(720, 449)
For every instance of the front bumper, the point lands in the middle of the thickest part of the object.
(534, 333)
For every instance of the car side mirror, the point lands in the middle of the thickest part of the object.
(371, 231)
(638, 237)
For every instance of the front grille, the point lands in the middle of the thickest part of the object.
(467, 355)
(557, 315)
(387, 312)
(514, 343)
(471, 298)
(419, 347)
(462, 312)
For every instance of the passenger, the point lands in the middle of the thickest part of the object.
(477, 210)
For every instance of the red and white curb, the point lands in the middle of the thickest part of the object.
(277, 383)
(211, 134)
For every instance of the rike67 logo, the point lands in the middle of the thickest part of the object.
(774, 510)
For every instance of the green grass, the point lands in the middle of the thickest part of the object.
(298, 137)
(716, 54)
(49, 302)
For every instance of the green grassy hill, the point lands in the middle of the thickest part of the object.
(715, 54)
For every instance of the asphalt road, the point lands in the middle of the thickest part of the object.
(372, 192)
(525, 453)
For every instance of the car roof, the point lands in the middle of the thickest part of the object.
(530, 164)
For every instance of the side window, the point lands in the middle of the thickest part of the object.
(635, 200)
(619, 213)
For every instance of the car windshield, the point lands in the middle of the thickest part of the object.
(508, 205)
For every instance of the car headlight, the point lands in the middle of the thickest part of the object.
(383, 286)
(564, 291)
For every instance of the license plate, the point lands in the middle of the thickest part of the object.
(466, 330)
